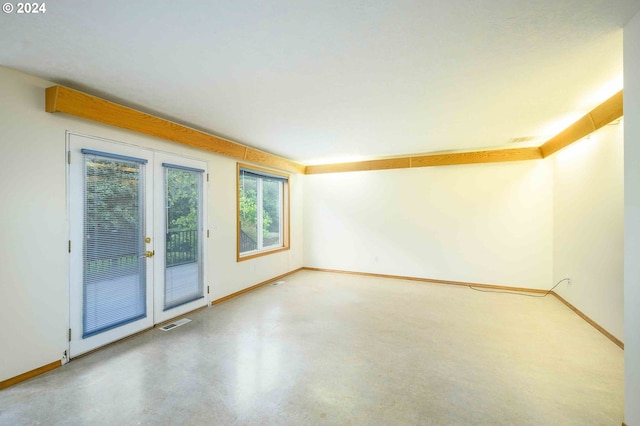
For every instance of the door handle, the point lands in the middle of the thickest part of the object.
(148, 253)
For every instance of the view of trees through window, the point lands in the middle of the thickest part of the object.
(112, 213)
(260, 209)
(182, 216)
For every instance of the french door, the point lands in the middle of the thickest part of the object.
(136, 229)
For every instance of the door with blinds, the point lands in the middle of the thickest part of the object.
(179, 207)
(135, 229)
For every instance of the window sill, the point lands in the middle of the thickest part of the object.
(253, 255)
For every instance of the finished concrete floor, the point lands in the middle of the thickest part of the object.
(326, 348)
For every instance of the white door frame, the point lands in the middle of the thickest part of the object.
(154, 227)
(160, 314)
(77, 344)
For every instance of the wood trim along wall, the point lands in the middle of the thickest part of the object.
(429, 280)
(603, 114)
(41, 370)
(477, 157)
(486, 286)
(360, 166)
(29, 374)
(253, 287)
(73, 102)
(455, 158)
(590, 321)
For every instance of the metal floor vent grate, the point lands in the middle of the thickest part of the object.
(175, 324)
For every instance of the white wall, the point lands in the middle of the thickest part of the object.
(490, 223)
(485, 223)
(33, 234)
(632, 221)
(588, 226)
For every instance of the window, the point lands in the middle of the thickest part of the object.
(263, 212)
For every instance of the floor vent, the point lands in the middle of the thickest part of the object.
(278, 283)
(175, 324)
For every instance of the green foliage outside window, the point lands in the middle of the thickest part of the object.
(271, 202)
(182, 212)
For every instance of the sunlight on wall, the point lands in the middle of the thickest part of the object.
(583, 150)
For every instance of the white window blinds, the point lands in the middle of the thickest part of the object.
(114, 282)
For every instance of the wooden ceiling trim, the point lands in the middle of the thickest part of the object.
(600, 116)
(603, 114)
(361, 166)
(477, 157)
(73, 102)
(273, 161)
(457, 158)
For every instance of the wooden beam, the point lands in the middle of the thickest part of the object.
(73, 102)
(361, 166)
(603, 114)
(51, 95)
(477, 157)
(69, 101)
(253, 155)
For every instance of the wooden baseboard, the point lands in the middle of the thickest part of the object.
(590, 321)
(485, 286)
(431, 280)
(29, 374)
(33, 373)
(253, 287)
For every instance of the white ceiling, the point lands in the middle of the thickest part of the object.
(334, 80)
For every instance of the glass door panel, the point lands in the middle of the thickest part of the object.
(114, 266)
(124, 203)
(180, 284)
(183, 260)
(110, 215)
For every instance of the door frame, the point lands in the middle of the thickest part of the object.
(152, 189)
(160, 157)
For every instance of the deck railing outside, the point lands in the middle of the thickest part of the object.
(182, 247)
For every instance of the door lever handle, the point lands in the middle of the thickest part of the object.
(148, 253)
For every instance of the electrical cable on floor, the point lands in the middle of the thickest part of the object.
(520, 294)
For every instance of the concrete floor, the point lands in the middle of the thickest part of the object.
(328, 348)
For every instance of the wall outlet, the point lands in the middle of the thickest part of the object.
(568, 280)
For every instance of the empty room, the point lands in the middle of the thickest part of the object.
(371, 212)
